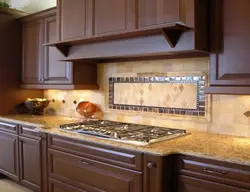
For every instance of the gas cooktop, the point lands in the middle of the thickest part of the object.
(123, 132)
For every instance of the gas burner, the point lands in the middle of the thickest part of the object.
(123, 132)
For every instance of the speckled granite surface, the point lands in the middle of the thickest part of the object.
(214, 146)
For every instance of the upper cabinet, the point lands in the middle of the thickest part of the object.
(74, 19)
(55, 72)
(153, 13)
(230, 45)
(157, 12)
(114, 16)
(42, 68)
(32, 46)
(102, 23)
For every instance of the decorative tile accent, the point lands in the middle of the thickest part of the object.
(247, 114)
(171, 95)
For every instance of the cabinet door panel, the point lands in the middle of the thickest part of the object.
(80, 172)
(73, 18)
(30, 162)
(32, 52)
(189, 184)
(55, 72)
(230, 43)
(9, 155)
(156, 12)
(112, 16)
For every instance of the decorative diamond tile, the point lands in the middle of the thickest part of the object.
(247, 114)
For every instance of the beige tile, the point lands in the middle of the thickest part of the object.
(227, 112)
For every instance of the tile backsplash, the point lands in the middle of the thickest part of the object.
(224, 114)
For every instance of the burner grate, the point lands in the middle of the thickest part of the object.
(125, 132)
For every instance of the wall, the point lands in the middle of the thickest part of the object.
(31, 6)
(225, 114)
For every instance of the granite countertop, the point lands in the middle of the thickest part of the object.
(214, 146)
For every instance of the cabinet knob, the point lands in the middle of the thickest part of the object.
(151, 165)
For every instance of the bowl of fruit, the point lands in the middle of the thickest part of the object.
(37, 105)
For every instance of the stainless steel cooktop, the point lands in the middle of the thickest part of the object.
(123, 132)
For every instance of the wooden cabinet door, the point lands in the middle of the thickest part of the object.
(32, 52)
(155, 12)
(230, 43)
(74, 19)
(30, 162)
(113, 16)
(55, 72)
(190, 184)
(9, 155)
(91, 175)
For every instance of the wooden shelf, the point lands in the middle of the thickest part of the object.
(171, 32)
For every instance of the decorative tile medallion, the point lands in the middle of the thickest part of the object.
(171, 95)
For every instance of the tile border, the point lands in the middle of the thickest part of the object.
(200, 110)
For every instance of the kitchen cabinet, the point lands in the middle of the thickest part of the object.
(74, 19)
(114, 16)
(55, 72)
(30, 162)
(96, 24)
(32, 159)
(91, 175)
(77, 163)
(9, 155)
(23, 156)
(198, 174)
(41, 66)
(157, 12)
(32, 52)
(229, 61)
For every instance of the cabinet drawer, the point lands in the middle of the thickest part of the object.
(189, 184)
(91, 175)
(215, 171)
(123, 158)
(9, 127)
(29, 131)
(57, 186)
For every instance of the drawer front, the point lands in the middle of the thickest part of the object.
(9, 127)
(29, 131)
(215, 170)
(190, 184)
(92, 176)
(57, 186)
(122, 158)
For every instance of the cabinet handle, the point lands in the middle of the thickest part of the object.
(214, 171)
(151, 165)
(85, 162)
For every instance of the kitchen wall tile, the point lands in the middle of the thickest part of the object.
(225, 114)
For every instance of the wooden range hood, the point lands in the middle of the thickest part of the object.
(101, 33)
(173, 39)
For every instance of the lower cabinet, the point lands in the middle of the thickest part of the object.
(30, 162)
(23, 156)
(206, 175)
(91, 175)
(9, 155)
